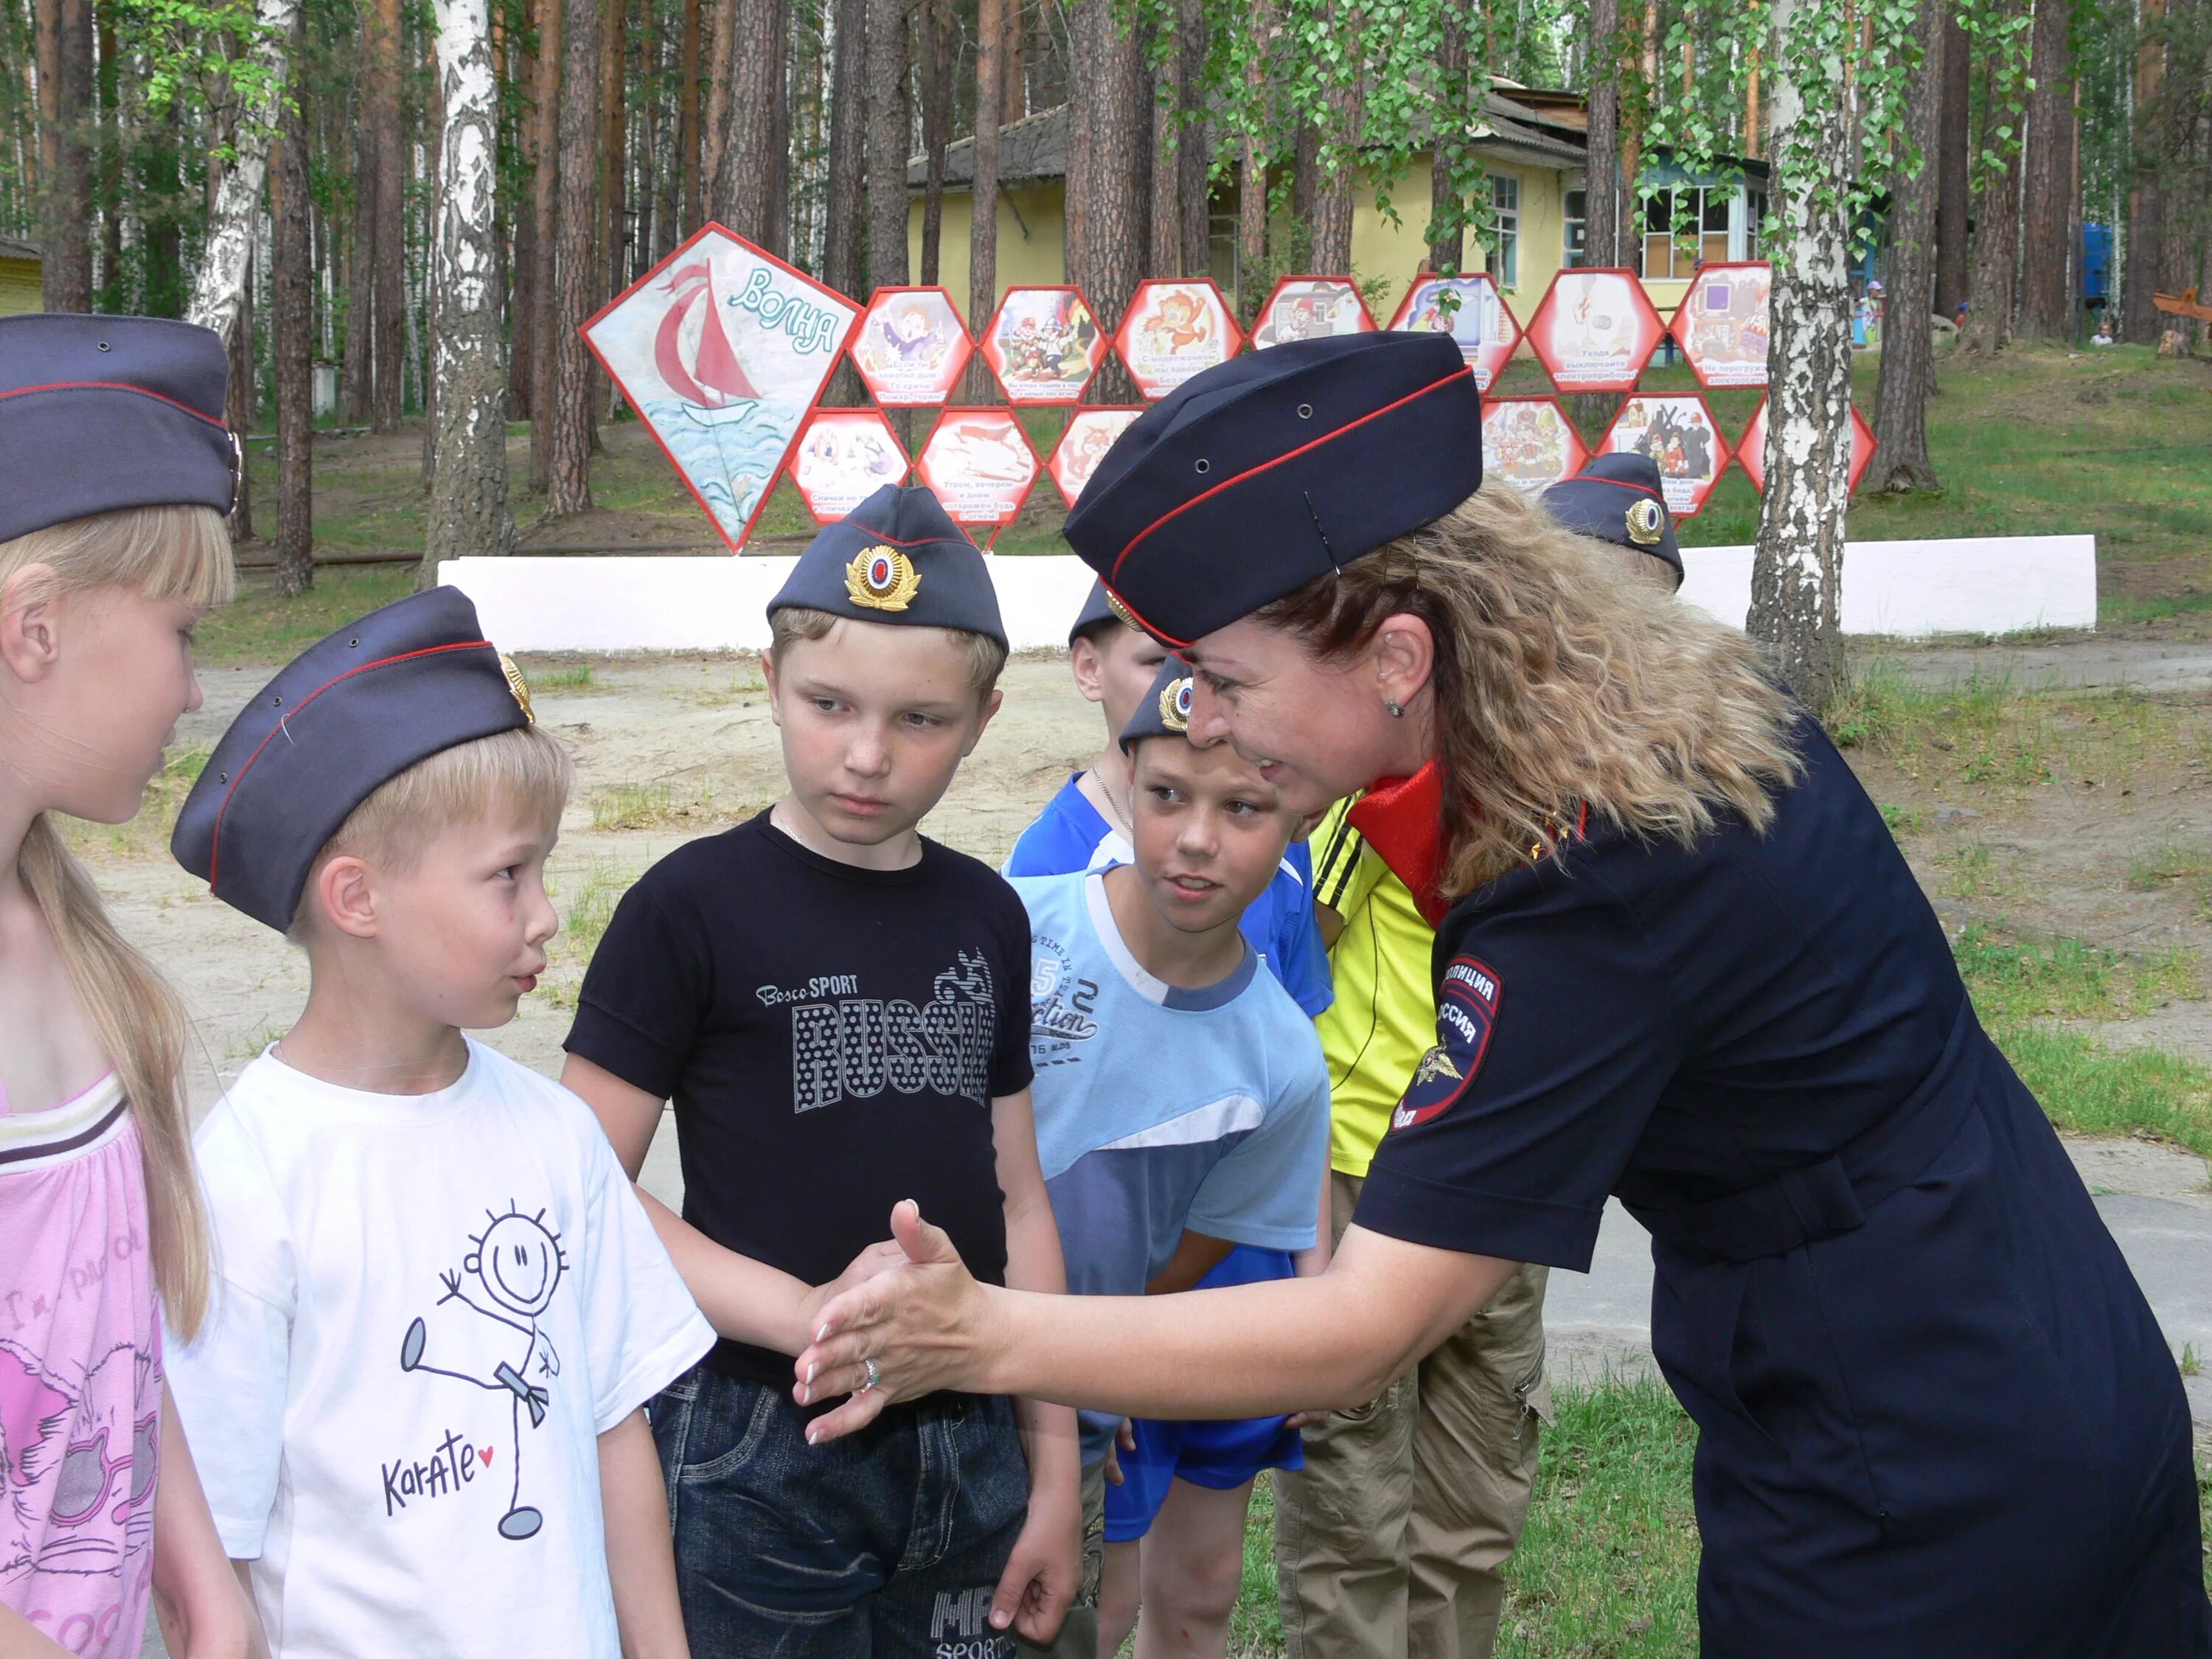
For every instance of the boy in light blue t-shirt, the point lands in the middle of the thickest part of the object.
(1182, 1112)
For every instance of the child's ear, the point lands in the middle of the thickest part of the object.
(768, 678)
(347, 894)
(1090, 669)
(30, 642)
(991, 703)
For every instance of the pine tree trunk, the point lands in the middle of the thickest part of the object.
(433, 134)
(983, 219)
(751, 65)
(1116, 239)
(1995, 251)
(1601, 227)
(1082, 115)
(67, 115)
(1194, 185)
(1252, 181)
(888, 122)
(1900, 464)
(614, 222)
(292, 342)
(2147, 196)
(1950, 159)
(522, 217)
(568, 409)
(358, 371)
(1163, 214)
(687, 122)
(219, 290)
(1337, 163)
(2046, 311)
(546, 314)
(1447, 212)
(469, 510)
(1013, 65)
(935, 26)
(1798, 564)
(390, 337)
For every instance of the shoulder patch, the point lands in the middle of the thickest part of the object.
(1466, 1010)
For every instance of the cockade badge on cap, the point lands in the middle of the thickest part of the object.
(882, 579)
(1174, 704)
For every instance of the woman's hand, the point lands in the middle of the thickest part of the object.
(925, 1322)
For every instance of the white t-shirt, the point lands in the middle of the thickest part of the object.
(429, 1308)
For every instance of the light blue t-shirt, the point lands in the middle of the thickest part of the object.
(1071, 834)
(1160, 1108)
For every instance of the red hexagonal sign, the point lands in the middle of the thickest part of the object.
(911, 346)
(1677, 431)
(843, 456)
(1472, 311)
(1090, 432)
(1529, 441)
(1310, 308)
(1722, 323)
(1595, 330)
(1043, 343)
(981, 464)
(1751, 448)
(1175, 327)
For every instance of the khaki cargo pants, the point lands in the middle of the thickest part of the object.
(1392, 1540)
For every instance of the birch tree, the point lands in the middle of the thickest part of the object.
(469, 511)
(219, 288)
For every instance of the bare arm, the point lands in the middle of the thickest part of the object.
(1314, 1261)
(21, 1639)
(640, 1557)
(197, 1599)
(745, 1300)
(1247, 1351)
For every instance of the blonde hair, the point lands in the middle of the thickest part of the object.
(181, 553)
(984, 658)
(526, 771)
(1559, 684)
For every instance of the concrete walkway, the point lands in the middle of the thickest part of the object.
(2156, 1199)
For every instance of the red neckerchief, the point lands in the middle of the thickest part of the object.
(1403, 819)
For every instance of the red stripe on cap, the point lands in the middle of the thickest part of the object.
(1288, 455)
(1618, 484)
(1165, 638)
(115, 385)
(215, 837)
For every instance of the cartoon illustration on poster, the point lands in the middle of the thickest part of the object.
(1090, 432)
(1043, 344)
(1677, 432)
(979, 463)
(845, 456)
(720, 349)
(1723, 324)
(1595, 330)
(1311, 308)
(1529, 441)
(1173, 330)
(911, 346)
(1469, 309)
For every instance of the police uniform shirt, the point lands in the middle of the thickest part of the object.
(832, 1037)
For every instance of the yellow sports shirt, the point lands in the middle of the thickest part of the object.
(1384, 1018)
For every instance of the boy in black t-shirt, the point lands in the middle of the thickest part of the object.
(839, 1010)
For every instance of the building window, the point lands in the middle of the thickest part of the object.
(1683, 227)
(1502, 261)
(1575, 248)
(1754, 217)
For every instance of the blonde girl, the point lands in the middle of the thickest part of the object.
(100, 1226)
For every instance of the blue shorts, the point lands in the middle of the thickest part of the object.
(1221, 1456)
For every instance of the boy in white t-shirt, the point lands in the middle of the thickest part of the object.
(417, 1400)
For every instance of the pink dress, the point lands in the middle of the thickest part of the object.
(79, 1374)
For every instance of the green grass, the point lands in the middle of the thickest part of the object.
(2093, 1090)
(2180, 861)
(2066, 979)
(259, 627)
(146, 835)
(578, 677)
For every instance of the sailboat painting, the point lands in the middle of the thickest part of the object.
(721, 348)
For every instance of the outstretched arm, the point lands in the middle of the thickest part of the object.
(641, 1560)
(1248, 1351)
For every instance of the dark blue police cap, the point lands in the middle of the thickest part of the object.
(1097, 608)
(347, 715)
(1617, 498)
(1254, 478)
(98, 413)
(1165, 711)
(897, 558)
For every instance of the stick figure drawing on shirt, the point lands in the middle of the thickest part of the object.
(509, 1279)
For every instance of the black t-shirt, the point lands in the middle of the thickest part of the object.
(832, 1038)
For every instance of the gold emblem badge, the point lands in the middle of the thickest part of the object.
(1175, 705)
(882, 579)
(518, 686)
(1647, 523)
(1434, 1064)
(1114, 603)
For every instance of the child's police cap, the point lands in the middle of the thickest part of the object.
(1165, 711)
(897, 558)
(98, 413)
(1098, 610)
(1617, 498)
(347, 715)
(1251, 480)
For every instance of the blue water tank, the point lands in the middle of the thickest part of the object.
(2096, 264)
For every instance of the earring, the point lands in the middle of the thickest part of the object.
(1391, 703)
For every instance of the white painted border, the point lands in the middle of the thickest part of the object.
(1975, 585)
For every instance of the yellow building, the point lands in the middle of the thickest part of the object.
(21, 287)
(1533, 147)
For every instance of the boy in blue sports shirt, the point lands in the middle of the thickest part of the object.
(1086, 826)
(1183, 1109)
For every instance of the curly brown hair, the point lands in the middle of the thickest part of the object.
(1558, 683)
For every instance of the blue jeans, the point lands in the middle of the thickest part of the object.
(889, 1542)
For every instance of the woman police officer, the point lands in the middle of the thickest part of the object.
(1679, 959)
